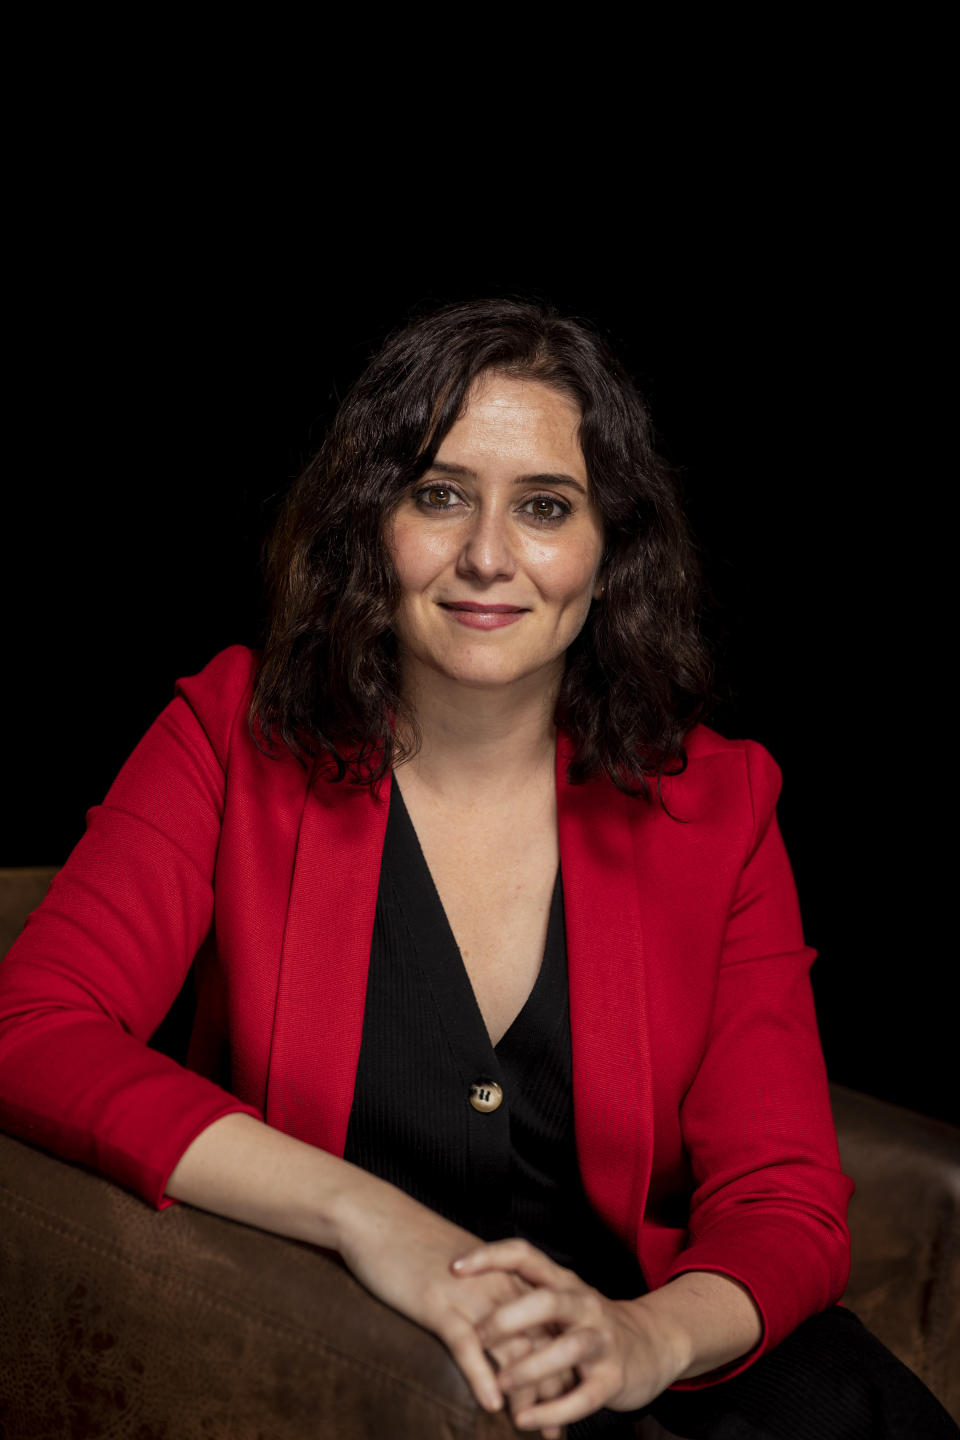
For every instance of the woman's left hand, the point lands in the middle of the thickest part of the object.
(622, 1358)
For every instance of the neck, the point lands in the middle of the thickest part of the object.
(488, 744)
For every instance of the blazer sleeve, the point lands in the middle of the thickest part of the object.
(770, 1200)
(100, 962)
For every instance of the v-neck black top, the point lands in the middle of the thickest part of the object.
(508, 1171)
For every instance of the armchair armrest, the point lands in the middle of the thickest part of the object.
(119, 1320)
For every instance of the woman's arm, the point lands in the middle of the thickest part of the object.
(99, 964)
(95, 971)
(768, 1207)
(400, 1250)
(712, 1320)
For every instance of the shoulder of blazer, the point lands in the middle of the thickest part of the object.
(728, 791)
(219, 697)
(715, 812)
(731, 784)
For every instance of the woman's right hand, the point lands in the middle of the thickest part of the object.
(396, 1247)
(402, 1252)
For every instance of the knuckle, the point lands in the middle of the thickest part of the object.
(601, 1336)
(510, 1350)
(520, 1347)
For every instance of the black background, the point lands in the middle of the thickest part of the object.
(183, 333)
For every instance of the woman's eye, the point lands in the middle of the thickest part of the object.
(436, 497)
(546, 508)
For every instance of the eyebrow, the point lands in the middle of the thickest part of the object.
(444, 467)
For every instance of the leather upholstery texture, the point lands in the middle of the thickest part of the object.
(118, 1321)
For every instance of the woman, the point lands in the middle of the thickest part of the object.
(506, 943)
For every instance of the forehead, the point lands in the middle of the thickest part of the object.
(510, 417)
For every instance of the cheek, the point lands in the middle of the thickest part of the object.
(568, 576)
(416, 556)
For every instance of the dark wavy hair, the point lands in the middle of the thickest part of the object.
(636, 678)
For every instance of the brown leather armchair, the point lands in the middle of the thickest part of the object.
(118, 1321)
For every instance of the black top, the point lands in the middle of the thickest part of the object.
(509, 1171)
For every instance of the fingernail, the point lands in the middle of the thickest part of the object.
(494, 1399)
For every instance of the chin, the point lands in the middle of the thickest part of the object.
(494, 677)
(480, 680)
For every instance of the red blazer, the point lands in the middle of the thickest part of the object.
(702, 1117)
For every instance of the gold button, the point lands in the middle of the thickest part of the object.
(486, 1096)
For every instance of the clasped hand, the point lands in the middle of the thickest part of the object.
(610, 1348)
(405, 1253)
(519, 1326)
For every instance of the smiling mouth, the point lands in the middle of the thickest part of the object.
(482, 617)
(482, 609)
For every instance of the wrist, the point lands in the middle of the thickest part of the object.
(707, 1320)
(661, 1349)
(351, 1207)
(364, 1211)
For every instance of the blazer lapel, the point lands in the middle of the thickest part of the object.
(323, 969)
(612, 1096)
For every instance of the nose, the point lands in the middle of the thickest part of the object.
(486, 554)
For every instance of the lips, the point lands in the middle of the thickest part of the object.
(482, 609)
(482, 617)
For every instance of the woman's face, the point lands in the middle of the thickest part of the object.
(498, 548)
